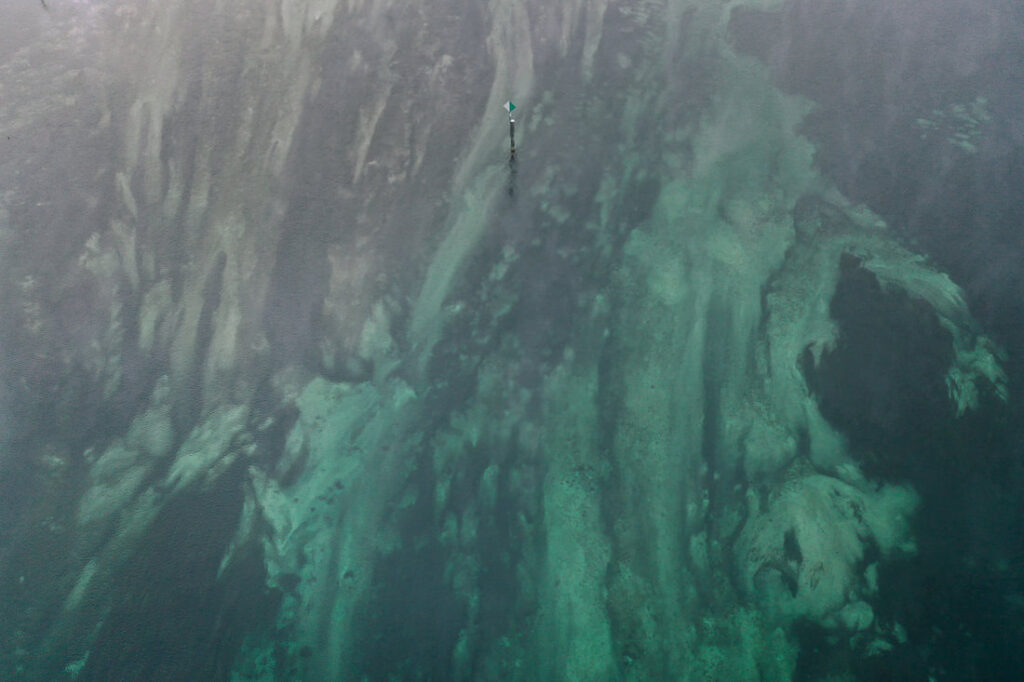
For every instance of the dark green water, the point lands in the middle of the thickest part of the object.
(302, 378)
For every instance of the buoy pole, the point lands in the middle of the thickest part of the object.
(512, 135)
(509, 107)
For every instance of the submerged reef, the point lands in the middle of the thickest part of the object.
(284, 343)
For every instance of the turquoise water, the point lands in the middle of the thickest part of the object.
(304, 378)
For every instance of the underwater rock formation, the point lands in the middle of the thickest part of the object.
(560, 432)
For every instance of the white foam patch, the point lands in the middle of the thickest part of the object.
(976, 361)
(206, 454)
(800, 555)
(115, 478)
